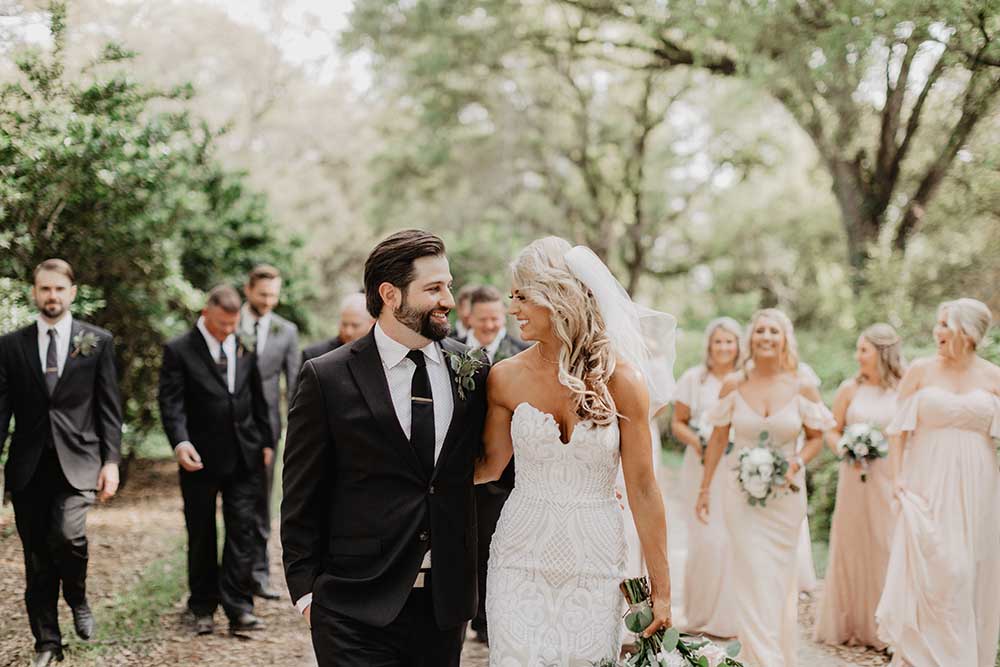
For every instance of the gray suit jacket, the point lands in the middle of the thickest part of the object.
(280, 354)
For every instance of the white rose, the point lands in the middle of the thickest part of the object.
(861, 451)
(757, 487)
(765, 470)
(855, 431)
(715, 654)
(672, 659)
(760, 455)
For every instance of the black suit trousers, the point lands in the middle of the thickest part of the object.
(490, 499)
(230, 585)
(413, 639)
(51, 518)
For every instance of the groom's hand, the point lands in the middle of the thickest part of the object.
(188, 458)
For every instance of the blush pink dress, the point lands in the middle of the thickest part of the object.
(941, 603)
(859, 535)
(765, 540)
(708, 566)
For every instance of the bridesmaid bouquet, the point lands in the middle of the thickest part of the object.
(762, 471)
(862, 443)
(704, 432)
(668, 647)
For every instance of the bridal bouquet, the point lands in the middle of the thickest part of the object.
(862, 443)
(667, 647)
(762, 471)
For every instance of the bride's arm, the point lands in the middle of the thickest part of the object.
(628, 387)
(497, 446)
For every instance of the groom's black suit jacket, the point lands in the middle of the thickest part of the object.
(82, 419)
(358, 507)
(195, 405)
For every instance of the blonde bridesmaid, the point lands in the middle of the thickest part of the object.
(862, 521)
(941, 603)
(769, 395)
(707, 608)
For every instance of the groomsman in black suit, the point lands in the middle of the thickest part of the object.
(355, 322)
(487, 319)
(216, 419)
(275, 343)
(58, 381)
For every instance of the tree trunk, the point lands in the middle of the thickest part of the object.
(861, 222)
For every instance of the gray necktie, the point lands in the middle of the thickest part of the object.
(51, 363)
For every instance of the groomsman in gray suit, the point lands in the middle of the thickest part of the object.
(276, 343)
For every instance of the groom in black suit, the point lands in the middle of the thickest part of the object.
(58, 381)
(378, 518)
(216, 419)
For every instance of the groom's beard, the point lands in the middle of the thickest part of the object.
(420, 321)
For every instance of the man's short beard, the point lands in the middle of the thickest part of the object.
(420, 321)
(45, 309)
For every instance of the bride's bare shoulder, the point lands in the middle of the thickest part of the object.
(506, 374)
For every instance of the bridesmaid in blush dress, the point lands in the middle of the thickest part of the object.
(941, 603)
(768, 396)
(862, 521)
(707, 569)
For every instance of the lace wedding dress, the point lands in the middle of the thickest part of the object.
(558, 553)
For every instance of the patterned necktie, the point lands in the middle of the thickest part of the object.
(51, 363)
(422, 412)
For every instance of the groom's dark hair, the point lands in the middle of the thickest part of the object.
(392, 262)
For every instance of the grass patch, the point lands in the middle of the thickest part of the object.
(133, 617)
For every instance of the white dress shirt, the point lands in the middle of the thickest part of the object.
(248, 318)
(64, 330)
(491, 349)
(399, 375)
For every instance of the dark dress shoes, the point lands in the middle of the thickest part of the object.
(204, 625)
(266, 592)
(83, 621)
(46, 658)
(245, 622)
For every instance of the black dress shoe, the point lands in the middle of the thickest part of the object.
(83, 621)
(266, 592)
(47, 657)
(245, 622)
(204, 625)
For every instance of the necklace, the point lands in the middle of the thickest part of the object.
(539, 348)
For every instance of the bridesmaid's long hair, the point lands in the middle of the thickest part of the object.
(730, 326)
(789, 353)
(890, 363)
(586, 359)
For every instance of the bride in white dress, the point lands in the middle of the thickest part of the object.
(570, 408)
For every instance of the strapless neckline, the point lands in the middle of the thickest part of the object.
(550, 419)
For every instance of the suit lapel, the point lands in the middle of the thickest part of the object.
(201, 348)
(458, 411)
(244, 359)
(29, 346)
(365, 365)
(71, 359)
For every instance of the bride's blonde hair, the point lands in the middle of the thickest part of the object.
(586, 359)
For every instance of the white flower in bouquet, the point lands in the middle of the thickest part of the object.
(715, 654)
(671, 659)
(757, 487)
(759, 456)
(861, 451)
(862, 443)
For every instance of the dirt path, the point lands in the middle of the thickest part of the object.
(143, 529)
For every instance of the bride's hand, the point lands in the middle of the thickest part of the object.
(661, 616)
(701, 506)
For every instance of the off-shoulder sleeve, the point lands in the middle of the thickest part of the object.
(721, 413)
(815, 415)
(686, 387)
(906, 416)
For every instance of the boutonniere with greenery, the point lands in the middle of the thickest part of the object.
(275, 328)
(245, 342)
(464, 366)
(84, 344)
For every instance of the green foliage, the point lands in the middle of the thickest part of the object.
(118, 179)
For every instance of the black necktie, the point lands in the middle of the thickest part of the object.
(256, 337)
(51, 363)
(422, 412)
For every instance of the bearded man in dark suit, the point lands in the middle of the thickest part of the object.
(58, 381)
